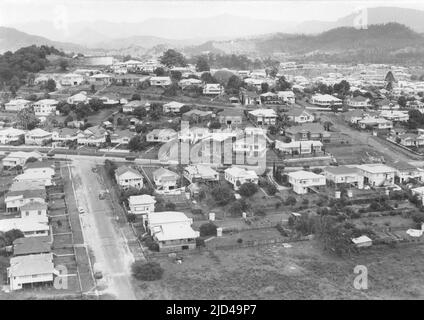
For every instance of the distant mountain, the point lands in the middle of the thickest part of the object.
(388, 42)
(411, 18)
(12, 39)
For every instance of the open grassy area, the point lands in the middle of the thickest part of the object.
(300, 272)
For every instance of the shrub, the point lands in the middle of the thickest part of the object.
(290, 201)
(149, 271)
(240, 240)
(151, 244)
(222, 195)
(170, 206)
(207, 229)
(131, 217)
(248, 189)
(236, 209)
(260, 212)
(305, 202)
(418, 217)
(197, 211)
(200, 242)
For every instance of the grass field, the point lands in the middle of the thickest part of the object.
(301, 272)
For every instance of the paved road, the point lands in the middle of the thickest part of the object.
(101, 234)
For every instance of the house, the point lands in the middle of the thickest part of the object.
(193, 134)
(251, 145)
(302, 181)
(377, 175)
(172, 106)
(298, 115)
(27, 185)
(33, 245)
(31, 269)
(308, 131)
(230, 117)
(131, 106)
(29, 227)
(358, 102)
(287, 96)
(40, 167)
(94, 136)
(184, 83)
(12, 136)
(395, 115)
(405, 171)
(38, 137)
(263, 116)
(160, 81)
(410, 139)
(35, 176)
(418, 192)
(71, 79)
(172, 230)
(78, 98)
(237, 176)
(161, 135)
(249, 97)
(101, 79)
(128, 177)
(121, 137)
(344, 175)
(165, 180)
(269, 98)
(45, 107)
(34, 210)
(325, 100)
(299, 147)
(64, 135)
(213, 89)
(375, 123)
(19, 158)
(197, 115)
(16, 199)
(131, 80)
(17, 105)
(199, 172)
(142, 204)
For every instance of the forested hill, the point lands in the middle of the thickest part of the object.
(378, 43)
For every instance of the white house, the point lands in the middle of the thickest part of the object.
(161, 135)
(11, 135)
(29, 227)
(264, 116)
(172, 106)
(344, 175)
(45, 107)
(302, 180)
(165, 180)
(199, 172)
(19, 158)
(299, 147)
(31, 269)
(71, 79)
(213, 89)
(251, 146)
(172, 230)
(377, 175)
(237, 176)
(358, 102)
(38, 137)
(40, 167)
(64, 135)
(325, 100)
(160, 81)
(35, 176)
(128, 177)
(287, 96)
(395, 115)
(17, 105)
(16, 199)
(299, 115)
(142, 204)
(36, 211)
(131, 106)
(94, 136)
(78, 98)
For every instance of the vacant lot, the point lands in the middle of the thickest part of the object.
(301, 272)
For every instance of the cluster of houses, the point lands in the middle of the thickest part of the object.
(359, 176)
(26, 209)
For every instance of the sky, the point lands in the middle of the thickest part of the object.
(21, 11)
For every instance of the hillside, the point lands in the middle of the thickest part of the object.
(12, 39)
(386, 42)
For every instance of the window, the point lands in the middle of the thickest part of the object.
(39, 212)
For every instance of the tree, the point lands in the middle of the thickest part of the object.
(234, 84)
(264, 87)
(63, 63)
(173, 58)
(215, 125)
(342, 88)
(202, 64)
(222, 195)
(282, 84)
(248, 189)
(27, 119)
(176, 75)
(140, 113)
(146, 271)
(207, 229)
(137, 143)
(160, 72)
(172, 90)
(12, 235)
(402, 101)
(136, 96)
(208, 78)
(51, 85)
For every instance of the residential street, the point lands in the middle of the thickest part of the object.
(103, 237)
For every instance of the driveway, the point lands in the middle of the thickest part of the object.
(101, 233)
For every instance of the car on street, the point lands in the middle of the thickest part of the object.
(81, 210)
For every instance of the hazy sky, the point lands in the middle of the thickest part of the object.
(20, 11)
